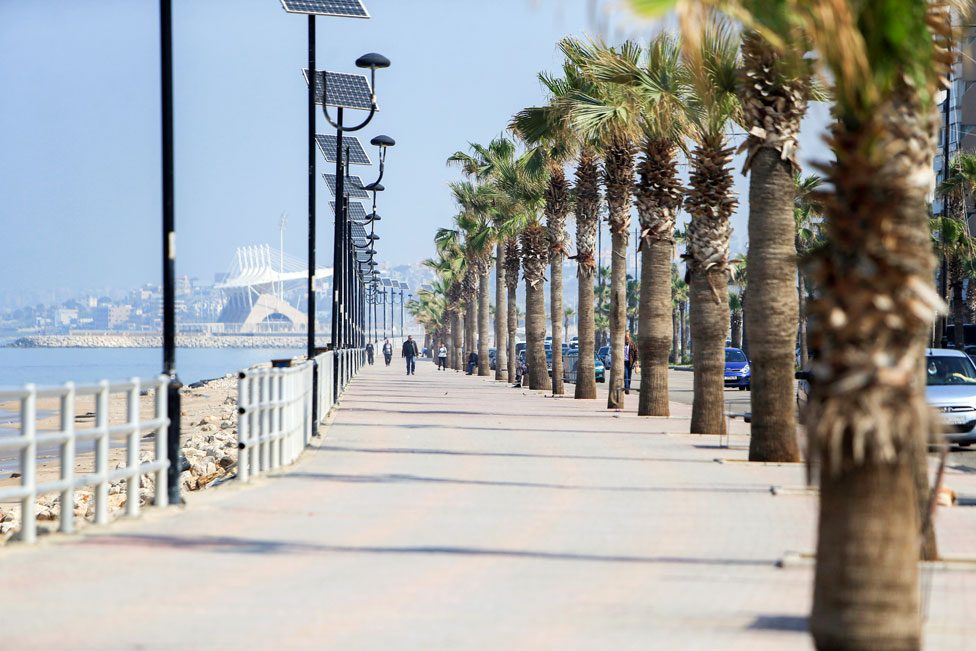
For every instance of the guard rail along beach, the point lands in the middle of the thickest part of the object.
(64, 443)
(275, 408)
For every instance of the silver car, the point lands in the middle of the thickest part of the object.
(950, 379)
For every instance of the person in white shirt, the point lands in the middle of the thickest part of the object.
(442, 358)
(387, 351)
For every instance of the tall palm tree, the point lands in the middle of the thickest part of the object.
(954, 244)
(957, 191)
(866, 414)
(552, 145)
(738, 282)
(610, 113)
(679, 297)
(806, 209)
(481, 164)
(660, 82)
(551, 124)
(773, 93)
(712, 67)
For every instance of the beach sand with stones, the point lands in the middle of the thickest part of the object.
(209, 442)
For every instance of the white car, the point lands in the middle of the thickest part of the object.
(950, 379)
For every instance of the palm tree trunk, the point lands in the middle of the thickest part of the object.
(484, 308)
(458, 340)
(501, 315)
(685, 334)
(675, 334)
(958, 306)
(587, 215)
(770, 292)
(802, 305)
(534, 257)
(470, 327)
(512, 331)
(556, 312)
(618, 319)
(736, 336)
(709, 324)
(656, 332)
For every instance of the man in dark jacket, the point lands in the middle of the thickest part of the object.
(409, 351)
(631, 357)
(472, 362)
(369, 352)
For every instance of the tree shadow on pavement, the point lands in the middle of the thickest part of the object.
(408, 479)
(523, 455)
(236, 545)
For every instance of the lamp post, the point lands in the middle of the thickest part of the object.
(169, 255)
(371, 61)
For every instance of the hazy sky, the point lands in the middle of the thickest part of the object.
(80, 126)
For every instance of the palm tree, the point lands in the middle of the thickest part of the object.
(954, 244)
(712, 68)
(679, 297)
(551, 123)
(481, 165)
(568, 313)
(633, 300)
(610, 113)
(659, 81)
(866, 413)
(475, 222)
(957, 191)
(969, 271)
(738, 282)
(805, 209)
(773, 93)
(547, 157)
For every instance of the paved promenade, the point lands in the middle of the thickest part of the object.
(442, 511)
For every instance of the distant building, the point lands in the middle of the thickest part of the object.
(110, 317)
(962, 110)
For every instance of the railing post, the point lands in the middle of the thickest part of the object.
(28, 464)
(132, 452)
(274, 422)
(242, 430)
(68, 459)
(162, 475)
(263, 418)
(101, 453)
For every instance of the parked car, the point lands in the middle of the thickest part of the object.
(950, 387)
(549, 361)
(571, 361)
(574, 342)
(519, 348)
(491, 358)
(604, 355)
(737, 371)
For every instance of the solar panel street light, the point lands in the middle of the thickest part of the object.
(343, 90)
(336, 8)
(340, 8)
(354, 211)
(352, 190)
(357, 155)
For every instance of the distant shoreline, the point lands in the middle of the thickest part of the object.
(127, 340)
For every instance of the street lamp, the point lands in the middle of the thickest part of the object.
(345, 9)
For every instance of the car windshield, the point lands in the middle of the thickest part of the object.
(948, 369)
(735, 356)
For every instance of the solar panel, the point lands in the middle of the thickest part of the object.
(403, 285)
(358, 232)
(357, 155)
(362, 256)
(356, 212)
(386, 282)
(345, 90)
(340, 8)
(349, 189)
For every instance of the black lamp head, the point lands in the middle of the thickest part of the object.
(372, 236)
(382, 141)
(372, 61)
(373, 217)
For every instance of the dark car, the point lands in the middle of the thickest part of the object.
(604, 355)
(737, 371)
(491, 358)
(571, 361)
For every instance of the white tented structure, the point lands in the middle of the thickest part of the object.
(266, 291)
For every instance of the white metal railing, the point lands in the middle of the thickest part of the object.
(67, 437)
(275, 408)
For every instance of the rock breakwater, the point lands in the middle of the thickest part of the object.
(123, 340)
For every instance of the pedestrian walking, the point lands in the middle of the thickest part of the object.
(442, 358)
(409, 352)
(631, 357)
(472, 362)
(369, 352)
(387, 351)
